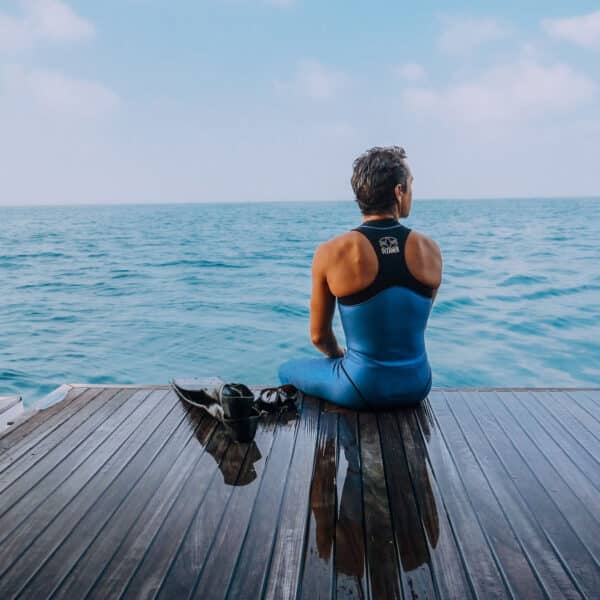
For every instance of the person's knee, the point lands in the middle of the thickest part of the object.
(285, 373)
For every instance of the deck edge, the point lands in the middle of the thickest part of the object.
(121, 386)
(160, 386)
(43, 403)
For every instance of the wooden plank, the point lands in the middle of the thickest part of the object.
(158, 533)
(217, 530)
(31, 463)
(39, 537)
(185, 566)
(511, 535)
(32, 488)
(33, 419)
(542, 466)
(585, 484)
(449, 572)
(585, 409)
(110, 493)
(21, 440)
(497, 498)
(590, 397)
(480, 556)
(251, 568)
(580, 443)
(285, 565)
(212, 579)
(148, 502)
(412, 541)
(112, 580)
(350, 552)
(478, 429)
(317, 575)
(124, 386)
(382, 573)
(574, 555)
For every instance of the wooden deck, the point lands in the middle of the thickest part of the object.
(124, 492)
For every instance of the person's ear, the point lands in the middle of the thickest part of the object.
(399, 191)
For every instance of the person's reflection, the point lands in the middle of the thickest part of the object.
(350, 544)
(413, 555)
(347, 530)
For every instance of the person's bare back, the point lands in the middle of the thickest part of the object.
(350, 263)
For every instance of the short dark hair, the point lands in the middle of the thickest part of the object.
(376, 173)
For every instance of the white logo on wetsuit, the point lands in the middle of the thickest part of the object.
(389, 245)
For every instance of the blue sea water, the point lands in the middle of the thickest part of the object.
(139, 294)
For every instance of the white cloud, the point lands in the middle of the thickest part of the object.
(526, 89)
(61, 93)
(314, 80)
(464, 34)
(583, 30)
(55, 92)
(14, 35)
(53, 19)
(41, 20)
(411, 72)
(48, 21)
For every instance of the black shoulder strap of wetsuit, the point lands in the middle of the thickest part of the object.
(388, 238)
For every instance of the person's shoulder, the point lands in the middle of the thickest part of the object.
(424, 258)
(332, 250)
(337, 244)
(424, 245)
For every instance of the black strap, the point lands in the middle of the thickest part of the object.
(388, 239)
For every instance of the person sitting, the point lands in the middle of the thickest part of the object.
(385, 278)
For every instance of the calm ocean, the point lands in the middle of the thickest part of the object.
(139, 294)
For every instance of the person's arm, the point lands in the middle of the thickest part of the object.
(437, 267)
(322, 307)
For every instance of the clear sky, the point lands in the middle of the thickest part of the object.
(127, 101)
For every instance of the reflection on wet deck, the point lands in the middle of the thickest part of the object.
(478, 493)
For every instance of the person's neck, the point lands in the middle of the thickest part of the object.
(379, 217)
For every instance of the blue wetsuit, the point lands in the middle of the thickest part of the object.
(385, 363)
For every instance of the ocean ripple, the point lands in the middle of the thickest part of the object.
(139, 294)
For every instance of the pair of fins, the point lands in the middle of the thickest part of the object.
(234, 404)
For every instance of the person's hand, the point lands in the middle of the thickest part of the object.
(339, 353)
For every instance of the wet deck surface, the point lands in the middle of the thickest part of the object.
(125, 492)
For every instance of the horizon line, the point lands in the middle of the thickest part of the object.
(250, 202)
